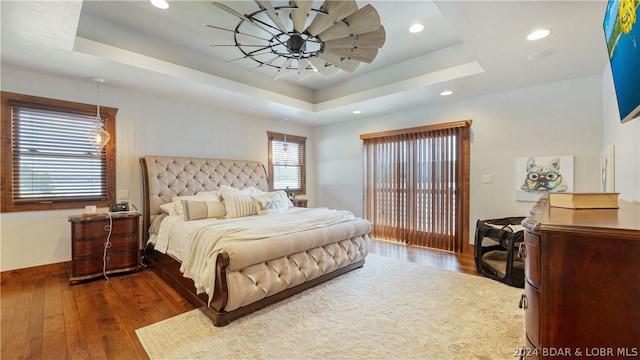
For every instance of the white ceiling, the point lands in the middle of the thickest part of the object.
(469, 47)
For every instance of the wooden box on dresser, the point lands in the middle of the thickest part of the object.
(89, 236)
(582, 282)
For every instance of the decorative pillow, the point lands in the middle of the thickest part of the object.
(238, 204)
(266, 205)
(177, 201)
(280, 196)
(196, 210)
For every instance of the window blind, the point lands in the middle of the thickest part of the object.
(287, 169)
(414, 184)
(53, 159)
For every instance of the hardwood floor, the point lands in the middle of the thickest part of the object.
(43, 317)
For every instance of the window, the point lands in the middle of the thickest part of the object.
(287, 169)
(48, 161)
(416, 185)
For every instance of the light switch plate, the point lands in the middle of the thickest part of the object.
(487, 179)
(123, 194)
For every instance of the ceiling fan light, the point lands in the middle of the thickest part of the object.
(416, 28)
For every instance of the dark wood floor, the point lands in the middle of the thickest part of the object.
(43, 317)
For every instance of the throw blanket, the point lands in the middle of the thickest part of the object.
(199, 264)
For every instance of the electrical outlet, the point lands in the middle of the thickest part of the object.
(487, 179)
(123, 194)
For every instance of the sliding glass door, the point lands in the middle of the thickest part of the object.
(416, 185)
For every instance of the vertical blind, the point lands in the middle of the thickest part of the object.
(53, 159)
(413, 184)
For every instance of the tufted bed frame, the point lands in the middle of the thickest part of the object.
(164, 177)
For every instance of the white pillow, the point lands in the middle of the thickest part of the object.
(209, 193)
(169, 208)
(251, 190)
(238, 204)
(196, 210)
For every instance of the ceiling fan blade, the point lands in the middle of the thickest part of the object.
(362, 21)
(359, 54)
(236, 32)
(284, 66)
(325, 69)
(305, 70)
(272, 14)
(265, 63)
(374, 39)
(253, 53)
(241, 17)
(336, 11)
(299, 15)
(341, 63)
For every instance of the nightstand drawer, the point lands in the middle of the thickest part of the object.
(94, 229)
(115, 261)
(95, 246)
(88, 238)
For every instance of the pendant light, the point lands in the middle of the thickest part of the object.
(285, 146)
(99, 137)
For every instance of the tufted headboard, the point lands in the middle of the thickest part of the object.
(164, 177)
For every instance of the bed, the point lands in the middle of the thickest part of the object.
(232, 265)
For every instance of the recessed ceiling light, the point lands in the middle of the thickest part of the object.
(416, 28)
(538, 34)
(160, 4)
(357, 112)
(446, 92)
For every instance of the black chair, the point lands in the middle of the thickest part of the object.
(496, 250)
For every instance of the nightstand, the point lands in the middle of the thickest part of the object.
(300, 202)
(88, 238)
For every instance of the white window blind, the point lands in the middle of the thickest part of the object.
(287, 165)
(53, 159)
(287, 168)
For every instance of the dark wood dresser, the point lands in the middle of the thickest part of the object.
(582, 282)
(89, 240)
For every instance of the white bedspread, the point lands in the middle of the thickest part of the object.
(205, 239)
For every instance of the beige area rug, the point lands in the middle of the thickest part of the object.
(388, 309)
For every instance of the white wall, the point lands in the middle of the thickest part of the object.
(146, 125)
(562, 118)
(626, 141)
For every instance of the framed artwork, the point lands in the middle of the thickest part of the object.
(607, 169)
(538, 175)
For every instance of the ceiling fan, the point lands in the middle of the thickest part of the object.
(296, 37)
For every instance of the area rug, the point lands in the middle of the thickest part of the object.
(389, 309)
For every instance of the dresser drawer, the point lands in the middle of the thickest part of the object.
(95, 246)
(532, 259)
(532, 313)
(94, 229)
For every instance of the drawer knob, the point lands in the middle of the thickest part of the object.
(523, 302)
(107, 228)
(522, 251)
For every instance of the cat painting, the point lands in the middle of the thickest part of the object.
(543, 178)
